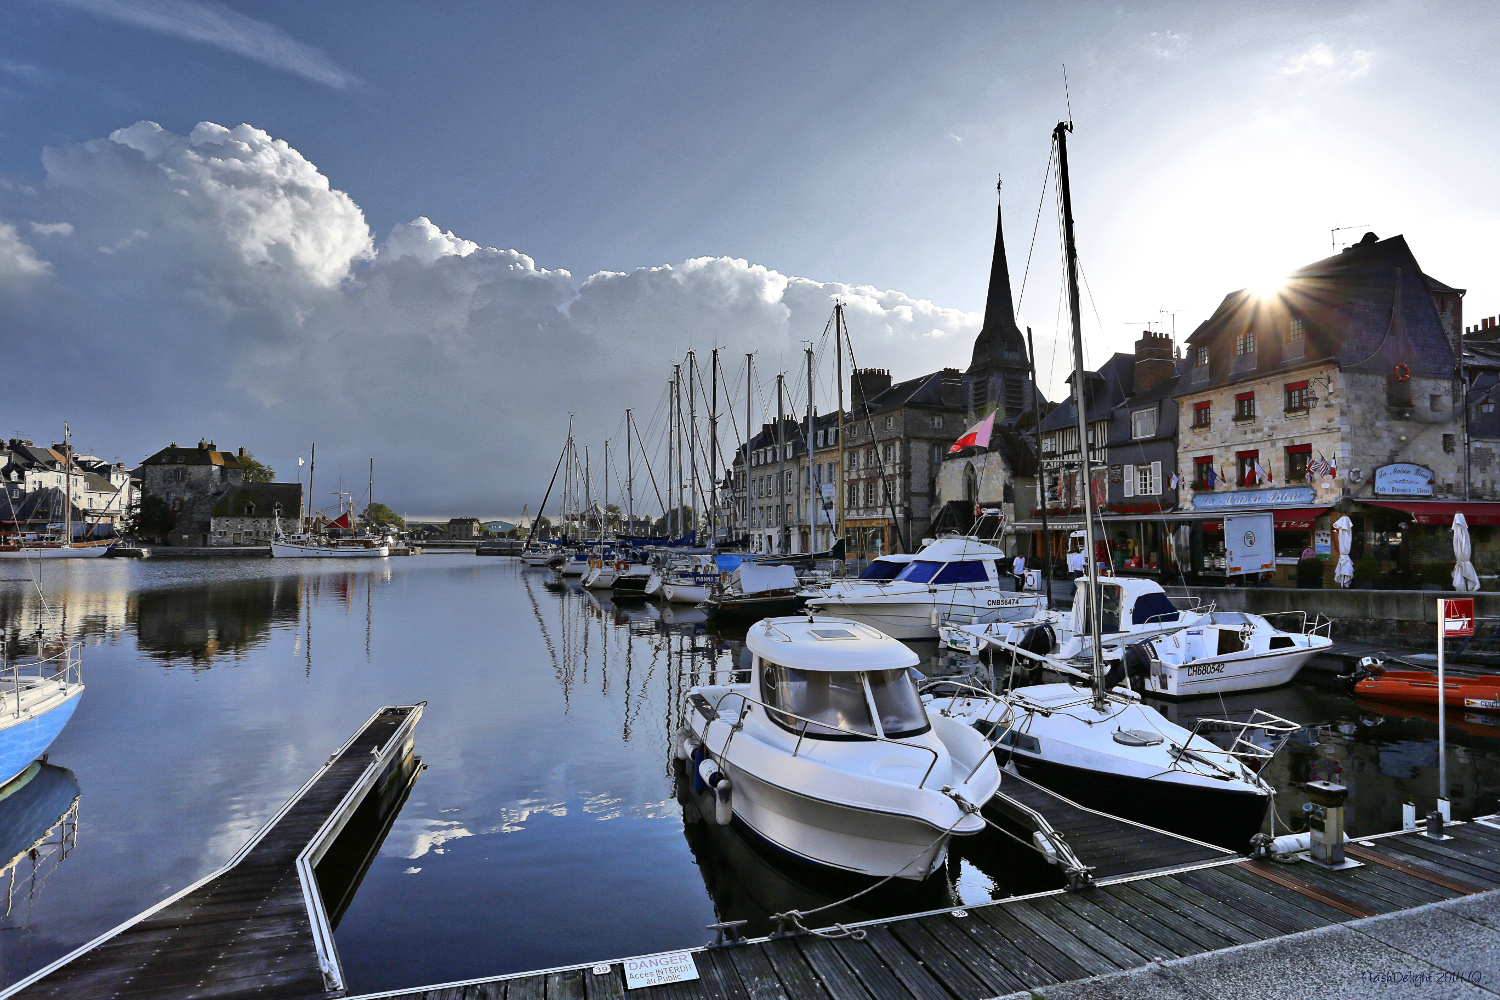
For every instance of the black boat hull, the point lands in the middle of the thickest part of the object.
(1218, 816)
(753, 608)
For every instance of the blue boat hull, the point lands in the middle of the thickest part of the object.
(23, 741)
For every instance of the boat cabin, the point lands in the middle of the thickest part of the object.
(885, 569)
(834, 679)
(955, 560)
(1125, 603)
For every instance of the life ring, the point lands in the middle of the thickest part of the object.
(620, 565)
(1401, 373)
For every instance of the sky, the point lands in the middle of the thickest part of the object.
(428, 234)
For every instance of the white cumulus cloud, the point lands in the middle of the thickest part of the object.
(1320, 59)
(243, 297)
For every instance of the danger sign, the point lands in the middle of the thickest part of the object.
(654, 970)
(1457, 616)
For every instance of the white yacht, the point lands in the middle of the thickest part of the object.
(1222, 652)
(689, 580)
(315, 546)
(602, 567)
(829, 755)
(953, 579)
(1121, 757)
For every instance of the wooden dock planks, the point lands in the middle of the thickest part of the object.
(244, 932)
(1033, 942)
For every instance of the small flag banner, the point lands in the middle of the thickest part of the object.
(977, 436)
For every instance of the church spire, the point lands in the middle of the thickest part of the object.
(1000, 330)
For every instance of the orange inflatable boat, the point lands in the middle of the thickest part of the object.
(1420, 687)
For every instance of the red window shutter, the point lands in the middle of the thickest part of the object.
(1247, 454)
(1203, 405)
(1293, 449)
(1294, 386)
(1243, 396)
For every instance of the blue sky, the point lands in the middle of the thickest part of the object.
(844, 144)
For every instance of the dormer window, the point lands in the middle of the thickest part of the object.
(1200, 357)
(1143, 424)
(1244, 343)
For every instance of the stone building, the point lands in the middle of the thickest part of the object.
(1329, 389)
(102, 492)
(248, 514)
(199, 486)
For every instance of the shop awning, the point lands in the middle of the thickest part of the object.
(1298, 517)
(1441, 511)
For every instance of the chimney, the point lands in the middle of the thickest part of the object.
(952, 387)
(868, 383)
(1153, 361)
(242, 453)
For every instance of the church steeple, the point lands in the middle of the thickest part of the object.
(999, 342)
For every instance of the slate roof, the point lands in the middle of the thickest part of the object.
(925, 392)
(193, 456)
(1368, 309)
(1107, 388)
(265, 497)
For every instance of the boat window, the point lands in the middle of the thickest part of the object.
(835, 699)
(1153, 608)
(1231, 641)
(1113, 598)
(968, 571)
(919, 571)
(897, 701)
(881, 569)
(1285, 642)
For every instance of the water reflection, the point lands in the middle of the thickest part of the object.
(38, 829)
(203, 624)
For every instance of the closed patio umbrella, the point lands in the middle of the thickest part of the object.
(1464, 577)
(1343, 571)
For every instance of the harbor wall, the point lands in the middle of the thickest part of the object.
(1363, 615)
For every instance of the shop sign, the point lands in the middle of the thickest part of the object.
(1250, 543)
(1117, 474)
(1280, 496)
(1323, 542)
(1403, 480)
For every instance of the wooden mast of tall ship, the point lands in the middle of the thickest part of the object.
(810, 511)
(1080, 396)
(713, 446)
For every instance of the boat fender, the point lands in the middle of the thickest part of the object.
(694, 762)
(1039, 639)
(1137, 659)
(724, 801)
(708, 772)
(685, 743)
(1294, 843)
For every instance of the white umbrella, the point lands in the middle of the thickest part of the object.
(1464, 577)
(1343, 572)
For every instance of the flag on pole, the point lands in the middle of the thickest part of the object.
(300, 463)
(1211, 477)
(1174, 480)
(977, 436)
(1261, 475)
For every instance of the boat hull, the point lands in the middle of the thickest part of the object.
(835, 836)
(1419, 687)
(911, 617)
(684, 593)
(755, 607)
(57, 552)
(291, 550)
(25, 739)
(1218, 816)
(1194, 680)
(574, 568)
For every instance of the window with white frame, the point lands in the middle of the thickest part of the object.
(890, 423)
(1142, 480)
(1143, 423)
(937, 420)
(1244, 343)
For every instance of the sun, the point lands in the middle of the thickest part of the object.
(1268, 286)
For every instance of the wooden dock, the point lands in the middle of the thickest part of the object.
(1029, 943)
(256, 927)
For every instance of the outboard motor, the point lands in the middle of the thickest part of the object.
(1137, 662)
(1114, 674)
(1039, 639)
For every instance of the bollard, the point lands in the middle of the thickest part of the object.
(1326, 822)
(1435, 826)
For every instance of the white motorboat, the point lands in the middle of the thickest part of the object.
(1125, 758)
(690, 580)
(1134, 609)
(576, 564)
(954, 579)
(1222, 652)
(829, 755)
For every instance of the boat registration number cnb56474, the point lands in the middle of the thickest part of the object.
(1004, 602)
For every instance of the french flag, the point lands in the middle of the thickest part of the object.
(977, 436)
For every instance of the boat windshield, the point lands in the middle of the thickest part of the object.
(897, 701)
(881, 569)
(835, 699)
(967, 571)
(919, 571)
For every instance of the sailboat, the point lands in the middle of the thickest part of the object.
(338, 540)
(1096, 742)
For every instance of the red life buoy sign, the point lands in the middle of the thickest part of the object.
(1401, 373)
(620, 565)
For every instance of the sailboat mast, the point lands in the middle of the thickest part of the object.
(812, 505)
(693, 486)
(838, 340)
(67, 489)
(749, 370)
(713, 444)
(312, 470)
(785, 533)
(629, 475)
(605, 529)
(1041, 469)
(370, 494)
(1070, 252)
(588, 488)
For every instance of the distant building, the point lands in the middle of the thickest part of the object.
(202, 487)
(101, 492)
(464, 527)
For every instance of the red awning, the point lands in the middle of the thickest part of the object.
(1441, 511)
(1298, 517)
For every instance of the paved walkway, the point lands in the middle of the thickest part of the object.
(1447, 951)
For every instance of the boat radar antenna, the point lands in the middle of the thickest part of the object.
(1333, 235)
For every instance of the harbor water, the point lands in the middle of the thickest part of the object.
(550, 826)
